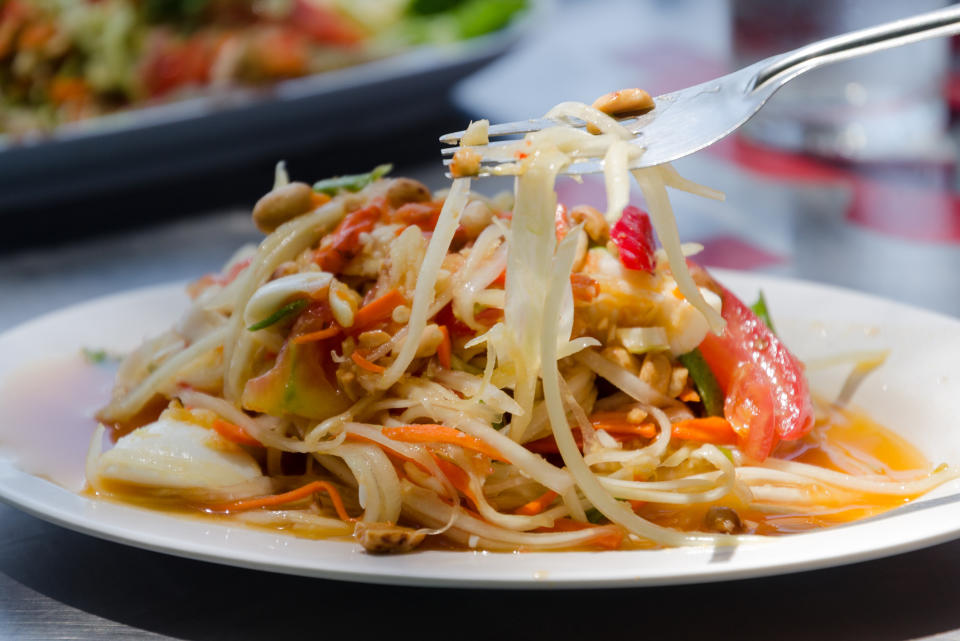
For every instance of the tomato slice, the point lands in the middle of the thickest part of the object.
(749, 407)
(323, 24)
(746, 340)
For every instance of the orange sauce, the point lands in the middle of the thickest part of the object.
(48, 410)
(849, 442)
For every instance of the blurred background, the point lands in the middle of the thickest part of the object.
(135, 135)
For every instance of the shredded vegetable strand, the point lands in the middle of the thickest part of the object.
(585, 479)
(423, 295)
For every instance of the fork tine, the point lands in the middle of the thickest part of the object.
(582, 167)
(449, 151)
(504, 129)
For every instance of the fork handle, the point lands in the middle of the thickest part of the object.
(784, 67)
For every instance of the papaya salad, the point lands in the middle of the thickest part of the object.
(68, 60)
(507, 373)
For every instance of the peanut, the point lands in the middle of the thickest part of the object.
(626, 102)
(282, 204)
(593, 222)
(475, 217)
(406, 190)
(466, 162)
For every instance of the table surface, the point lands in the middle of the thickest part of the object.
(894, 232)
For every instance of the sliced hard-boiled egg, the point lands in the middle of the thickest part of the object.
(269, 298)
(171, 453)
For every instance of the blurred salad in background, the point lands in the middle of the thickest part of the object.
(66, 60)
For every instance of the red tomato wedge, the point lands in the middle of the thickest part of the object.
(767, 396)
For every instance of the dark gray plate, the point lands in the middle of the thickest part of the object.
(198, 134)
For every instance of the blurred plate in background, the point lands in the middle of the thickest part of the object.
(372, 100)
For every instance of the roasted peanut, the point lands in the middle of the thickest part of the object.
(282, 204)
(623, 358)
(401, 314)
(475, 217)
(656, 371)
(429, 341)
(678, 381)
(401, 191)
(626, 102)
(593, 222)
(344, 303)
(372, 339)
(466, 162)
(722, 519)
(386, 538)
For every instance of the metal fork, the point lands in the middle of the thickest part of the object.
(690, 119)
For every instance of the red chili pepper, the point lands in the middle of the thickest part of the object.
(633, 236)
(448, 319)
(767, 396)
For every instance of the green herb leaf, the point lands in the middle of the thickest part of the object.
(595, 516)
(760, 309)
(287, 310)
(353, 182)
(477, 17)
(705, 382)
(499, 423)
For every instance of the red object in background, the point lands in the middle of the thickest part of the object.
(914, 201)
(172, 63)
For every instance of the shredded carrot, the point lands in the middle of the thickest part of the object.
(444, 349)
(66, 89)
(318, 198)
(711, 429)
(501, 279)
(319, 335)
(432, 433)
(457, 476)
(377, 310)
(288, 497)
(537, 505)
(367, 365)
(234, 433)
(619, 423)
(608, 537)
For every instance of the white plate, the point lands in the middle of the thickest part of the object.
(917, 392)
